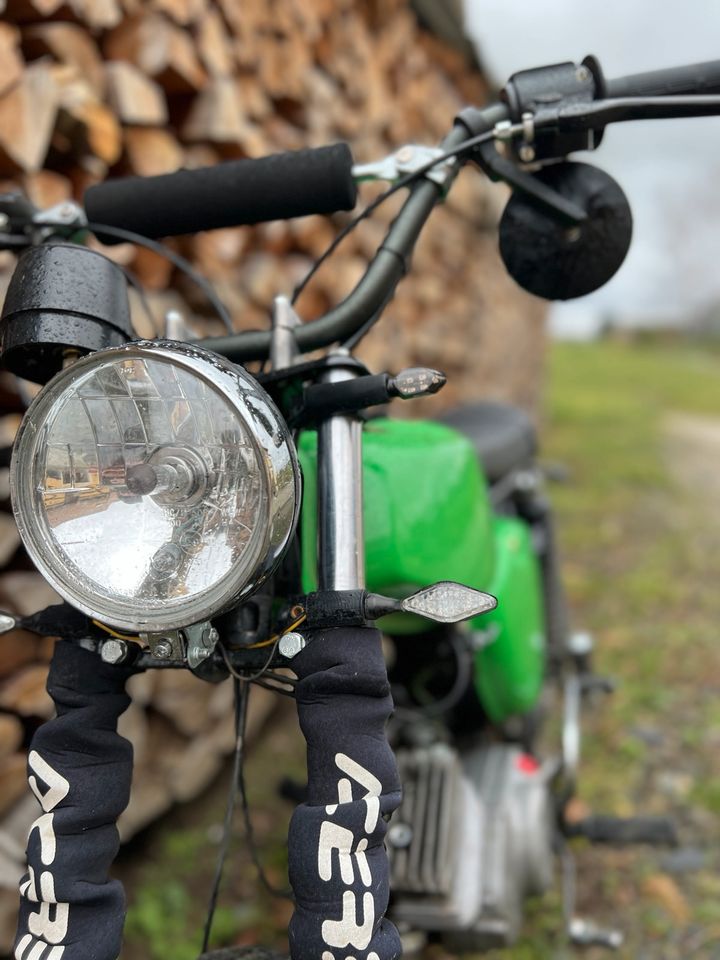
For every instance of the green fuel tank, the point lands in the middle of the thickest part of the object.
(427, 518)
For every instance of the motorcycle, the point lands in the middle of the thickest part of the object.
(398, 578)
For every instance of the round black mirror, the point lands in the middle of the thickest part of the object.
(560, 262)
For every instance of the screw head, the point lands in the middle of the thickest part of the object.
(291, 644)
(114, 651)
(526, 153)
(163, 649)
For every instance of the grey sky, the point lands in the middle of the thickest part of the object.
(670, 170)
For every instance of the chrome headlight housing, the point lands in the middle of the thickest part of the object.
(154, 485)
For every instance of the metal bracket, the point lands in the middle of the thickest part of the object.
(202, 638)
(408, 159)
(194, 643)
(67, 213)
(168, 645)
(176, 327)
(283, 345)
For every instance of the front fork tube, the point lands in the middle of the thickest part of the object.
(338, 865)
(341, 537)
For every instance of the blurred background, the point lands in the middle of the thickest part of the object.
(624, 384)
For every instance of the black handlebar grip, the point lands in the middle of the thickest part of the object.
(696, 78)
(238, 192)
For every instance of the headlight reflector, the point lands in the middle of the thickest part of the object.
(154, 484)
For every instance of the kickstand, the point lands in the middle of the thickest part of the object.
(579, 931)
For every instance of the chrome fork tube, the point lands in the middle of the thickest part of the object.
(341, 542)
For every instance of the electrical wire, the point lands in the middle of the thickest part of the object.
(241, 699)
(276, 636)
(405, 181)
(114, 633)
(252, 846)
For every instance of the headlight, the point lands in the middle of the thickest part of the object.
(154, 485)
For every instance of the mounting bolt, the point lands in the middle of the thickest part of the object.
(526, 152)
(163, 649)
(114, 651)
(291, 644)
(210, 637)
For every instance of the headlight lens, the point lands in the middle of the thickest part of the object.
(154, 484)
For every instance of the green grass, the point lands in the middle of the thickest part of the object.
(639, 580)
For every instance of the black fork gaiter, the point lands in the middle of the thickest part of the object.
(338, 864)
(80, 769)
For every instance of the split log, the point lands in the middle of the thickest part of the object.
(135, 98)
(27, 117)
(9, 538)
(17, 649)
(46, 188)
(217, 116)
(24, 693)
(11, 64)
(151, 151)
(214, 45)
(70, 44)
(11, 735)
(22, 11)
(13, 782)
(86, 127)
(24, 592)
(183, 12)
(160, 49)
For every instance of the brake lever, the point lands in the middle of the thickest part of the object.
(584, 116)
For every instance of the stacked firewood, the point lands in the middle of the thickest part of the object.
(98, 88)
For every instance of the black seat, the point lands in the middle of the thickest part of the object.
(503, 436)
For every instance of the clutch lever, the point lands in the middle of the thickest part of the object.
(586, 116)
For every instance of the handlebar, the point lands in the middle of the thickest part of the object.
(235, 193)
(377, 285)
(696, 78)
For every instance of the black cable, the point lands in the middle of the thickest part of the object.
(250, 838)
(250, 677)
(129, 236)
(241, 698)
(453, 696)
(405, 181)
